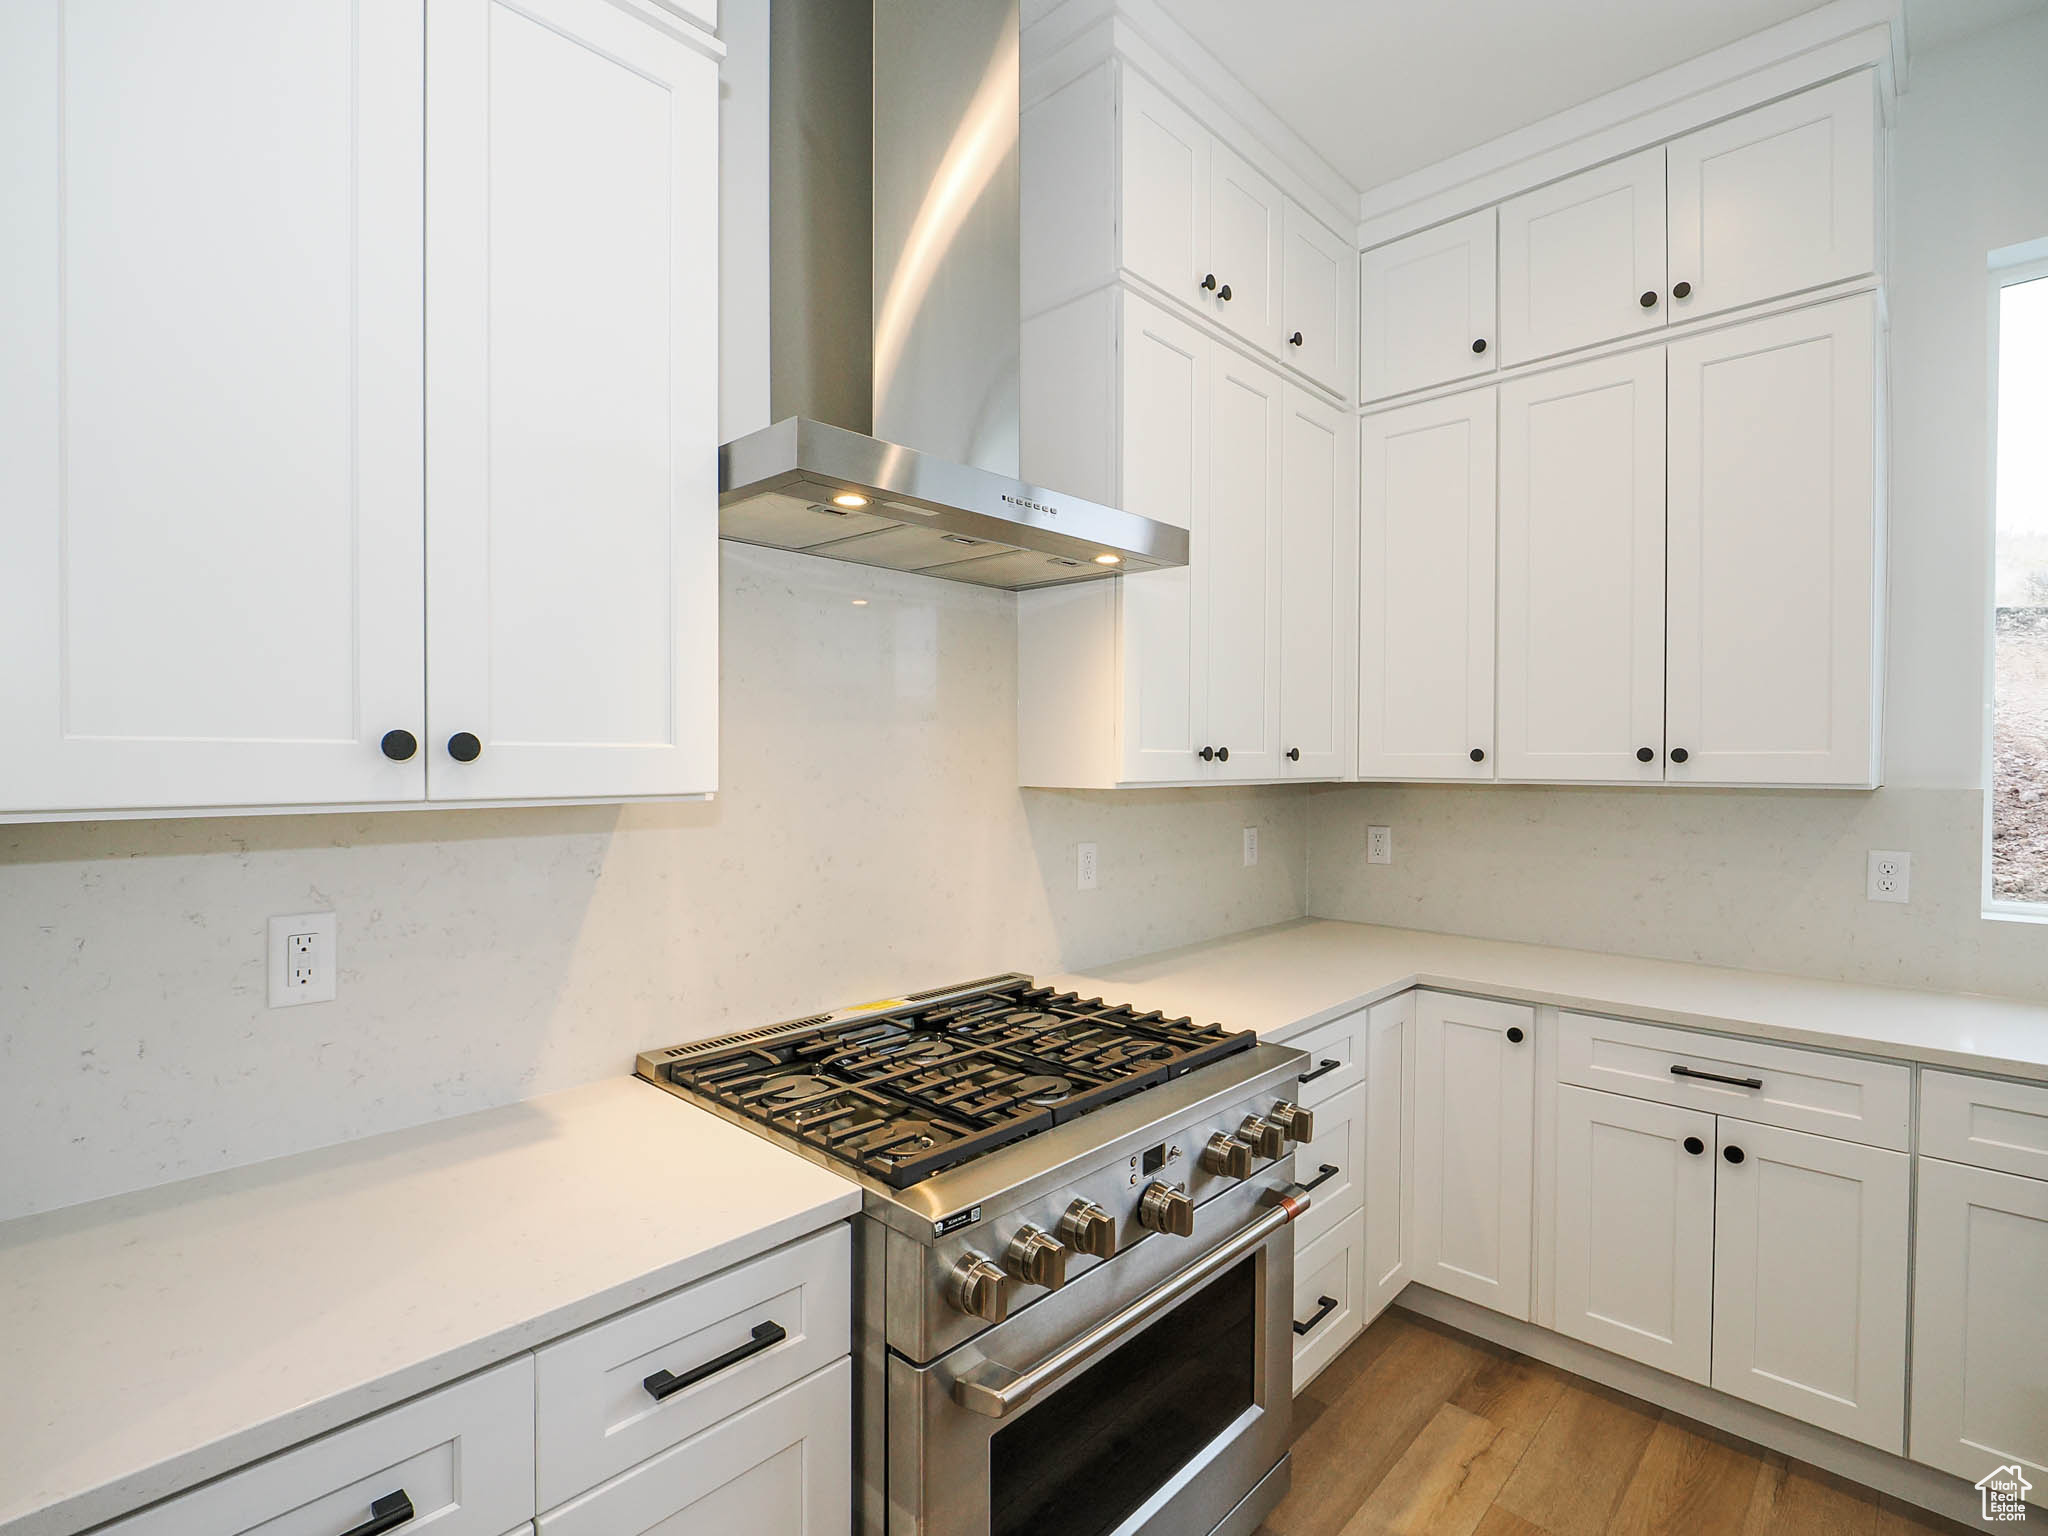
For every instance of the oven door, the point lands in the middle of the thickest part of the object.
(1149, 1396)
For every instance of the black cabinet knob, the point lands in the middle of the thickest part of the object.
(1733, 1154)
(1223, 293)
(1679, 754)
(1479, 345)
(1207, 754)
(1294, 754)
(464, 748)
(399, 746)
(1646, 754)
(1515, 1035)
(1649, 300)
(1209, 283)
(1694, 1145)
(1294, 340)
(1478, 754)
(1223, 754)
(1681, 290)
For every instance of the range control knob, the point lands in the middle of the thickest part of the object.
(976, 1288)
(1264, 1137)
(1228, 1156)
(1296, 1123)
(1162, 1208)
(1089, 1229)
(1037, 1258)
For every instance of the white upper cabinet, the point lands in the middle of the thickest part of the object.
(1165, 179)
(210, 404)
(1426, 590)
(1245, 218)
(1318, 538)
(1582, 571)
(1426, 308)
(1582, 260)
(1773, 551)
(1775, 200)
(1316, 329)
(1240, 576)
(571, 418)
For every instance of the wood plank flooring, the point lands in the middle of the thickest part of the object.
(1419, 1431)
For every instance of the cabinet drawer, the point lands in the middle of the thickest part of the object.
(1845, 1097)
(783, 1467)
(1985, 1123)
(1329, 1285)
(1333, 1165)
(462, 1458)
(1336, 1058)
(596, 1413)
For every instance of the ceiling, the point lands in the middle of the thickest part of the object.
(1384, 87)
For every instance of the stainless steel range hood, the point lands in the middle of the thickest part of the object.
(918, 470)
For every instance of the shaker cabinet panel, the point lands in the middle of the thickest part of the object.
(1244, 249)
(1582, 260)
(1165, 180)
(571, 422)
(210, 404)
(1426, 308)
(1316, 286)
(1240, 578)
(1389, 1148)
(1318, 557)
(1426, 590)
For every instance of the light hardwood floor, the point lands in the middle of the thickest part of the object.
(1420, 1431)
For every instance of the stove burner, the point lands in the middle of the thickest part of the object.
(1042, 1090)
(797, 1088)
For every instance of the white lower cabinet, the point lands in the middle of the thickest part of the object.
(1389, 1150)
(783, 1467)
(1635, 1229)
(1980, 1329)
(1332, 1167)
(1329, 1290)
(1810, 1279)
(1475, 1091)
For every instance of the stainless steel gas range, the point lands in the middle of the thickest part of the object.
(1072, 1270)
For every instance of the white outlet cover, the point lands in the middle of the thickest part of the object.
(1379, 845)
(1084, 867)
(1889, 876)
(1251, 846)
(320, 928)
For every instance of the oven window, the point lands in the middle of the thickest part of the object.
(1088, 1455)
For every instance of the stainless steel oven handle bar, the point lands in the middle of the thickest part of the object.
(994, 1401)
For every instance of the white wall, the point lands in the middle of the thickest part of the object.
(1775, 879)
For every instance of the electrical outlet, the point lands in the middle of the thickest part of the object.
(302, 959)
(1379, 845)
(1084, 867)
(1251, 846)
(1890, 876)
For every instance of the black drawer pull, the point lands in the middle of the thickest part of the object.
(663, 1384)
(386, 1514)
(1325, 1065)
(1715, 1077)
(1325, 1305)
(1323, 1175)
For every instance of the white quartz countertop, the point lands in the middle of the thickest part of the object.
(151, 1341)
(1304, 972)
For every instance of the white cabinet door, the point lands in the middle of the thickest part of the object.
(1165, 380)
(1582, 571)
(1244, 249)
(1635, 1229)
(572, 621)
(1332, 1167)
(1318, 586)
(1327, 1295)
(1475, 1101)
(1582, 260)
(1980, 1333)
(1773, 551)
(1315, 309)
(210, 403)
(1426, 587)
(1389, 1148)
(1426, 308)
(1810, 1279)
(1776, 200)
(1239, 576)
(1165, 176)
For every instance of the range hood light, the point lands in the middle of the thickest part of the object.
(849, 499)
(1109, 559)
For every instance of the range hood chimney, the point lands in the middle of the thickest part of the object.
(894, 292)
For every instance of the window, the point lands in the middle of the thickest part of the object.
(2017, 877)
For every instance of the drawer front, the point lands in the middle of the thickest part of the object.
(1333, 1165)
(1329, 1289)
(1336, 1058)
(783, 1467)
(1985, 1123)
(1841, 1096)
(461, 1457)
(597, 1415)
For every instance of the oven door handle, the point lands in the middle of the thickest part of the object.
(997, 1392)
